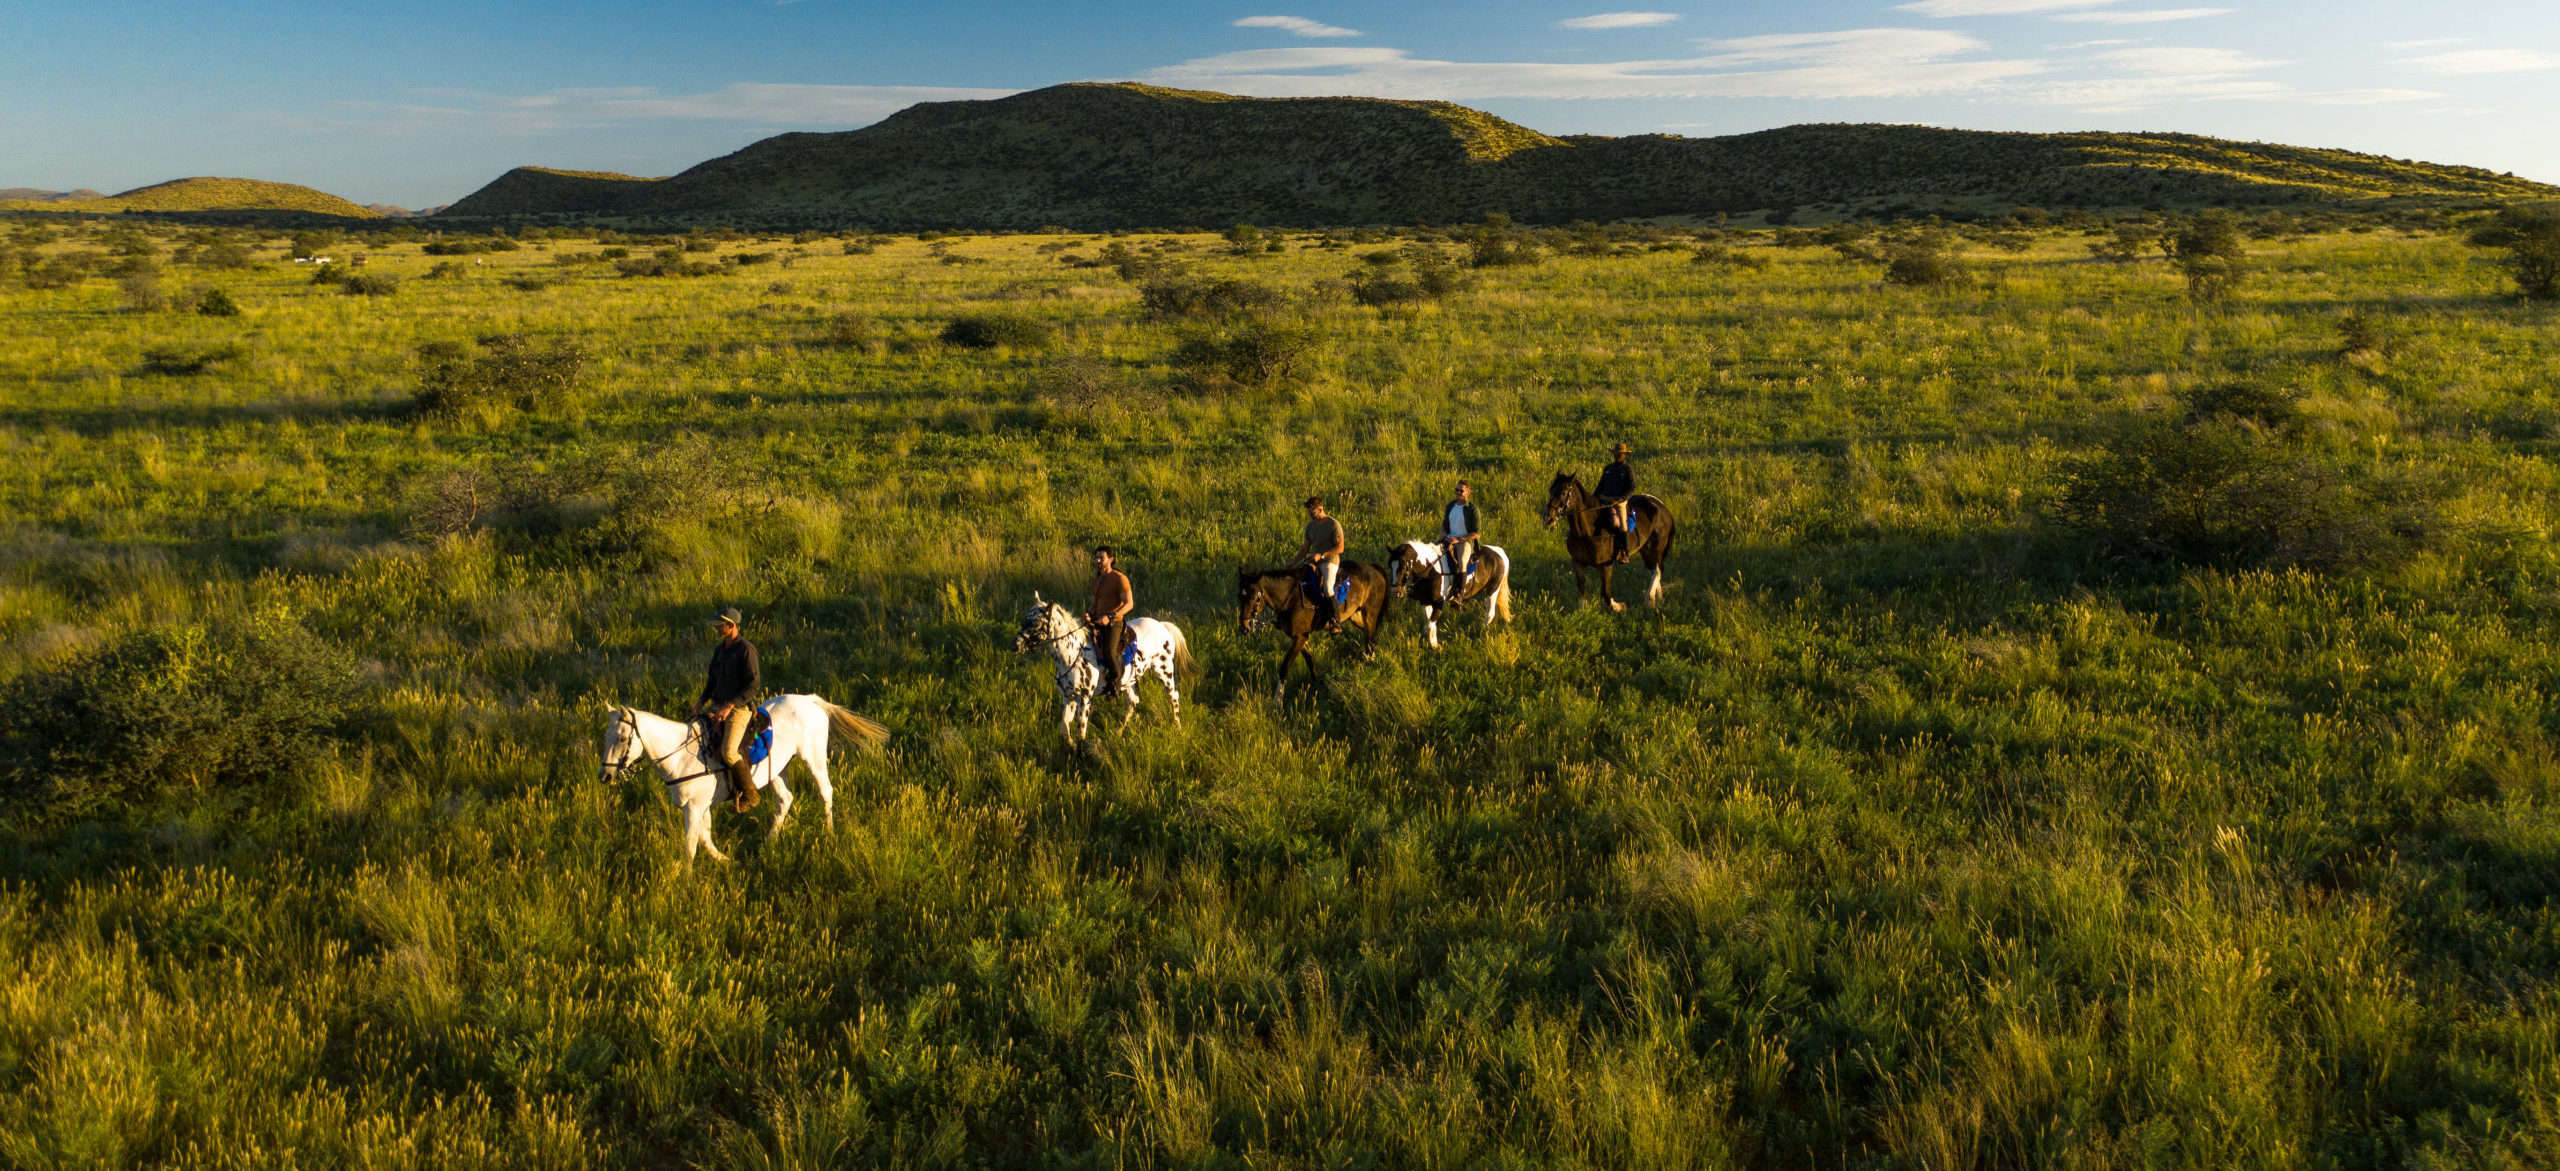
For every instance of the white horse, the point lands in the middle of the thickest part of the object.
(1158, 649)
(696, 777)
(1421, 571)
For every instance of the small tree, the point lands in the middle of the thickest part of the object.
(2531, 235)
(2208, 250)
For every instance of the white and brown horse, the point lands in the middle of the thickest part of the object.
(1420, 571)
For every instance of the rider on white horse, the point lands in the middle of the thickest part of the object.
(1107, 615)
(729, 698)
(1458, 537)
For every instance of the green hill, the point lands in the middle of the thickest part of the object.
(203, 194)
(1123, 155)
(537, 190)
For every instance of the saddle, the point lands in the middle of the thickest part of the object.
(759, 739)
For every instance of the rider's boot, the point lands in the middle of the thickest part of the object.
(742, 777)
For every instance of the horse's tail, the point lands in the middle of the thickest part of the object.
(855, 727)
(1183, 666)
(1502, 587)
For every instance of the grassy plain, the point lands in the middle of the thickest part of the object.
(1909, 833)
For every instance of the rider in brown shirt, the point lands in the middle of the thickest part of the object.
(1322, 551)
(1108, 613)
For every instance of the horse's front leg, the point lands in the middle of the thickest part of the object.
(1581, 592)
(1431, 626)
(1607, 593)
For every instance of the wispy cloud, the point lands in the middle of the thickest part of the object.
(1619, 20)
(2143, 78)
(1949, 8)
(1299, 25)
(2139, 15)
(1851, 63)
(2476, 61)
(2426, 44)
(759, 103)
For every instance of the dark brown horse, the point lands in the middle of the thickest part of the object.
(1593, 543)
(1281, 597)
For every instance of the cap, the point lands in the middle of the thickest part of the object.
(730, 616)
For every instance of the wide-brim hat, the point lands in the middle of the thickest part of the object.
(728, 617)
(1620, 449)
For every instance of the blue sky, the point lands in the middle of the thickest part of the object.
(418, 104)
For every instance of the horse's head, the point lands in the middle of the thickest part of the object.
(621, 743)
(1250, 601)
(1563, 495)
(1040, 624)
(1406, 566)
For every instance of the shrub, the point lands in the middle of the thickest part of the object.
(216, 303)
(665, 262)
(222, 254)
(445, 270)
(187, 360)
(60, 272)
(171, 711)
(980, 331)
(1716, 254)
(329, 274)
(2208, 250)
(2126, 243)
(2232, 482)
(2531, 235)
(2360, 334)
(509, 371)
(1254, 353)
(587, 503)
(853, 331)
(1921, 263)
(1201, 297)
(366, 284)
(1080, 384)
(142, 292)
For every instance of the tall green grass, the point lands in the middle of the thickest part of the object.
(1909, 833)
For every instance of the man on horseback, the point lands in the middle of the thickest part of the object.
(729, 700)
(1107, 614)
(1617, 483)
(1321, 554)
(1458, 537)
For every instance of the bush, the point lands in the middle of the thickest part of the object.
(587, 504)
(1255, 353)
(366, 284)
(216, 303)
(2233, 483)
(509, 371)
(2209, 252)
(2531, 235)
(980, 331)
(1921, 264)
(1716, 254)
(1080, 385)
(142, 292)
(166, 712)
(1201, 297)
(853, 331)
(60, 272)
(2360, 334)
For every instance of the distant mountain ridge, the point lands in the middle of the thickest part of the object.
(1092, 155)
(202, 194)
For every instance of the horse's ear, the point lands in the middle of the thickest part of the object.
(1037, 600)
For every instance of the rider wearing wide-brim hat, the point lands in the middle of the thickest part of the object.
(1617, 483)
(729, 700)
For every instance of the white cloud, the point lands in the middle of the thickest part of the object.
(1946, 8)
(1299, 25)
(2475, 61)
(2140, 16)
(2407, 45)
(1854, 63)
(2186, 62)
(762, 103)
(1619, 20)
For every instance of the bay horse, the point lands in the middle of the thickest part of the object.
(1594, 545)
(1420, 570)
(1159, 650)
(1281, 597)
(696, 777)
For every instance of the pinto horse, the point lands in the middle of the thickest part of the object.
(1595, 545)
(1420, 570)
(1281, 597)
(696, 777)
(1157, 648)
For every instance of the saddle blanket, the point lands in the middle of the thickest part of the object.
(760, 746)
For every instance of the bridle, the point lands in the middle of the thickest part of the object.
(623, 717)
(1048, 620)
